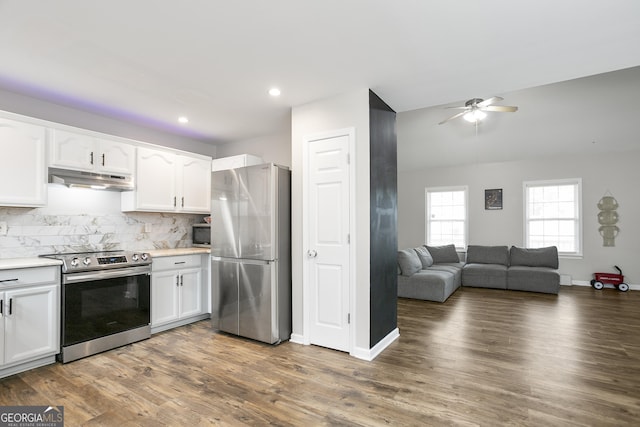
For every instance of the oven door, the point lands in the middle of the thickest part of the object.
(98, 304)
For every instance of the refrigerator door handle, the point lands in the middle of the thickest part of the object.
(244, 260)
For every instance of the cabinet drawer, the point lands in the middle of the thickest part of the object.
(176, 262)
(28, 276)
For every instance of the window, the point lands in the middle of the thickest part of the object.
(553, 215)
(446, 216)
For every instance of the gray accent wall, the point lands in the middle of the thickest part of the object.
(383, 223)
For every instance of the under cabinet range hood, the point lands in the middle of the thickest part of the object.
(73, 178)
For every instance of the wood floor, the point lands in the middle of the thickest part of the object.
(485, 357)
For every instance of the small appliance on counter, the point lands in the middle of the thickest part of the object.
(201, 235)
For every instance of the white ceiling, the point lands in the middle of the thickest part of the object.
(588, 115)
(149, 61)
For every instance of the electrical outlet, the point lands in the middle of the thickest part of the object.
(3, 228)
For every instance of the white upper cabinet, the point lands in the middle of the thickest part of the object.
(87, 153)
(170, 182)
(23, 179)
(194, 179)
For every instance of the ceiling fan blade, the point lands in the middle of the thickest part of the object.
(453, 117)
(489, 101)
(500, 108)
(457, 108)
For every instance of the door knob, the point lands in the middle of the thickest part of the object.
(312, 253)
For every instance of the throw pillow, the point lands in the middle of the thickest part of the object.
(443, 254)
(409, 262)
(538, 257)
(425, 256)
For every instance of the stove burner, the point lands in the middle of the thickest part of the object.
(91, 261)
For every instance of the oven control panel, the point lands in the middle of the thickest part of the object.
(112, 260)
(101, 260)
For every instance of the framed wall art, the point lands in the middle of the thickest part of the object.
(493, 199)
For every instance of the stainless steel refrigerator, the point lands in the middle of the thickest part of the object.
(251, 252)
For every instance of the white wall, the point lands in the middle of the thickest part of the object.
(39, 109)
(340, 112)
(616, 172)
(274, 148)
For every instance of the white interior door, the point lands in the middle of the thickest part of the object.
(327, 210)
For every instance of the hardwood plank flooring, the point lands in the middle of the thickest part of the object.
(483, 358)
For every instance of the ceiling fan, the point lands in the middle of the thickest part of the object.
(474, 109)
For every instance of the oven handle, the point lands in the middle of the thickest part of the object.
(106, 274)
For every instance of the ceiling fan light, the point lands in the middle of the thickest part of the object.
(475, 116)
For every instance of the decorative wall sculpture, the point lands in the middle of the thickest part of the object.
(608, 217)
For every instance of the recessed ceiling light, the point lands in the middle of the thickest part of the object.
(183, 119)
(274, 91)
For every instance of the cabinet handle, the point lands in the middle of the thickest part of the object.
(178, 280)
(8, 280)
(102, 159)
(174, 201)
(181, 276)
(179, 262)
(91, 158)
(183, 202)
(10, 306)
(1, 307)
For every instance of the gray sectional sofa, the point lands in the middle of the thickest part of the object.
(433, 273)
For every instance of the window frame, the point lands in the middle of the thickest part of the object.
(427, 223)
(526, 185)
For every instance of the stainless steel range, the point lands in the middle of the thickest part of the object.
(105, 301)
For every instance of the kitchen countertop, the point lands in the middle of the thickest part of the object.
(11, 263)
(32, 262)
(158, 253)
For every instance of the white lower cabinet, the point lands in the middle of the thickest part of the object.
(29, 318)
(177, 291)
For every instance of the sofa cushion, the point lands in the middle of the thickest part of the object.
(430, 285)
(538, 257)
(533, 279)
(409, 262)
(425, 256)
(453, 268)
(442, 254)
(485, 276)
(488, 254)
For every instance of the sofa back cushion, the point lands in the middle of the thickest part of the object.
(488, 255)
(443, 254)
(538, 257)
(409, 262)
(425, 257)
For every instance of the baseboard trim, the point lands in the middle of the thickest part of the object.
(298, 339)
(372, 353)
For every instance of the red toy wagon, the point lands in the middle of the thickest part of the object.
(616, 280)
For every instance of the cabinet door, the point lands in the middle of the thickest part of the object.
(115, 157)
(194, 180)
(72, 150)
(32, 319)
(155, 180)
(2, 298)
(190, 292)
(164, 297)
(23, 180)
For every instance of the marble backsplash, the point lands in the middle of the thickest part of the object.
(77, 220)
